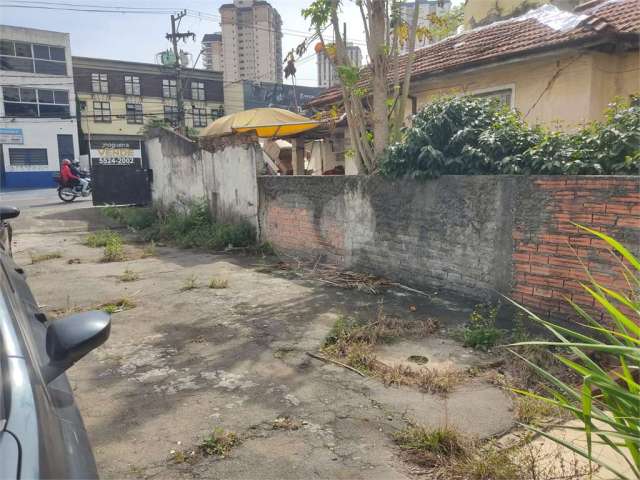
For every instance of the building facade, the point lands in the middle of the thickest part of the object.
(117, 98)
(427, 8)
(212, 51)
(251, 41)
(37, 113)
(327, 76)
(246, 94)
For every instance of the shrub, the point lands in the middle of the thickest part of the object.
(606, 357)
(475, 136)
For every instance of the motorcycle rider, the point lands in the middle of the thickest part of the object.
(75, 169)
(69, 179)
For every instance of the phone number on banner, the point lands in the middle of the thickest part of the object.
(116, 161)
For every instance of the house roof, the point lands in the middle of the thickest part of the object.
(545, 28)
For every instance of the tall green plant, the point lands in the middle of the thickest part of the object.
(606, 354)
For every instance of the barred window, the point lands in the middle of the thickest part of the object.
(134, 113)
(199, 117)
(171, 114)
(102, 112)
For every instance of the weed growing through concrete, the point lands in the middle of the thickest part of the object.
(352, 342)
(218, 283)
(113, 250)
(116, 306)
(100, 238)
(430, 447)
(43, 257)
(129, 276)
(190, 283)
(532, 411)
(286, 423)
(219, 443)
(481, 332)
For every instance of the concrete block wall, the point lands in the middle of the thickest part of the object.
(184, 173)
(476, 236)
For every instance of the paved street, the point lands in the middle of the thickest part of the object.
(182, 363)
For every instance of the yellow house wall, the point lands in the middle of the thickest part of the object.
(475, 11)
(562, 92)
(119, 125)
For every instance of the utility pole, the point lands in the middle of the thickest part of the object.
(174, 36)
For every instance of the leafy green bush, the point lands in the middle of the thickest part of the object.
(606, 357)
(191, 227)
(479, 136)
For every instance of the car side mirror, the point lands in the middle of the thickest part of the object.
(71, 338)
(8, 212)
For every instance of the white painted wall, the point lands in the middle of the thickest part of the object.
(183, 173)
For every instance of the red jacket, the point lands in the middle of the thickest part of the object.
(66, 174)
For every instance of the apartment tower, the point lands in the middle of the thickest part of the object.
(327, 76)
(212, 51)
(251, 41)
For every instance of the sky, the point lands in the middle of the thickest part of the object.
(139, 37)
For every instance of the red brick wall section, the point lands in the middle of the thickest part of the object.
(294, 228)
(549, 260)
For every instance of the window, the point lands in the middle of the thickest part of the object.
(102, 112)
(169, 89)
(30, 58)
(217, 112)
(28, 156)
(99, 83)
(134, 113)
(131, 85)
(199, 117)
(32, 102)
(171, 114)
(197, 90)
(503, 96)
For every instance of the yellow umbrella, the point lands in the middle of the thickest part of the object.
(265, 122)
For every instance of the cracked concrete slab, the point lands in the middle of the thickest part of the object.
(180, 364)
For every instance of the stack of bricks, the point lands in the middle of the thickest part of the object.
(550, 261)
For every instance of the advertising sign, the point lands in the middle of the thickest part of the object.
(11, 135)
(116, 153)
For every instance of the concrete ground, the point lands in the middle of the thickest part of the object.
(182, 363)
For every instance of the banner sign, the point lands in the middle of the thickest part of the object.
(116, 153)
(11, 135)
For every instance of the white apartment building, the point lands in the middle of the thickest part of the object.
(327, 75)
(38, 108)
(427, 7)
(251, 41)
(212, 51)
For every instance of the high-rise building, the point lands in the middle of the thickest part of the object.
(427, 8)
(327, 76)
(251, 41)
(212, 51)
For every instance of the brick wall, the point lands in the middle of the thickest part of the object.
(549, 258)
(475, 236)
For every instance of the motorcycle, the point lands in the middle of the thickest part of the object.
(68, 193)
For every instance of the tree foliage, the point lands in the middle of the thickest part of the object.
(475, 136)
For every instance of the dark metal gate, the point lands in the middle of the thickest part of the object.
(118, 175)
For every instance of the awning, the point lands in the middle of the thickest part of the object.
(264, 122)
